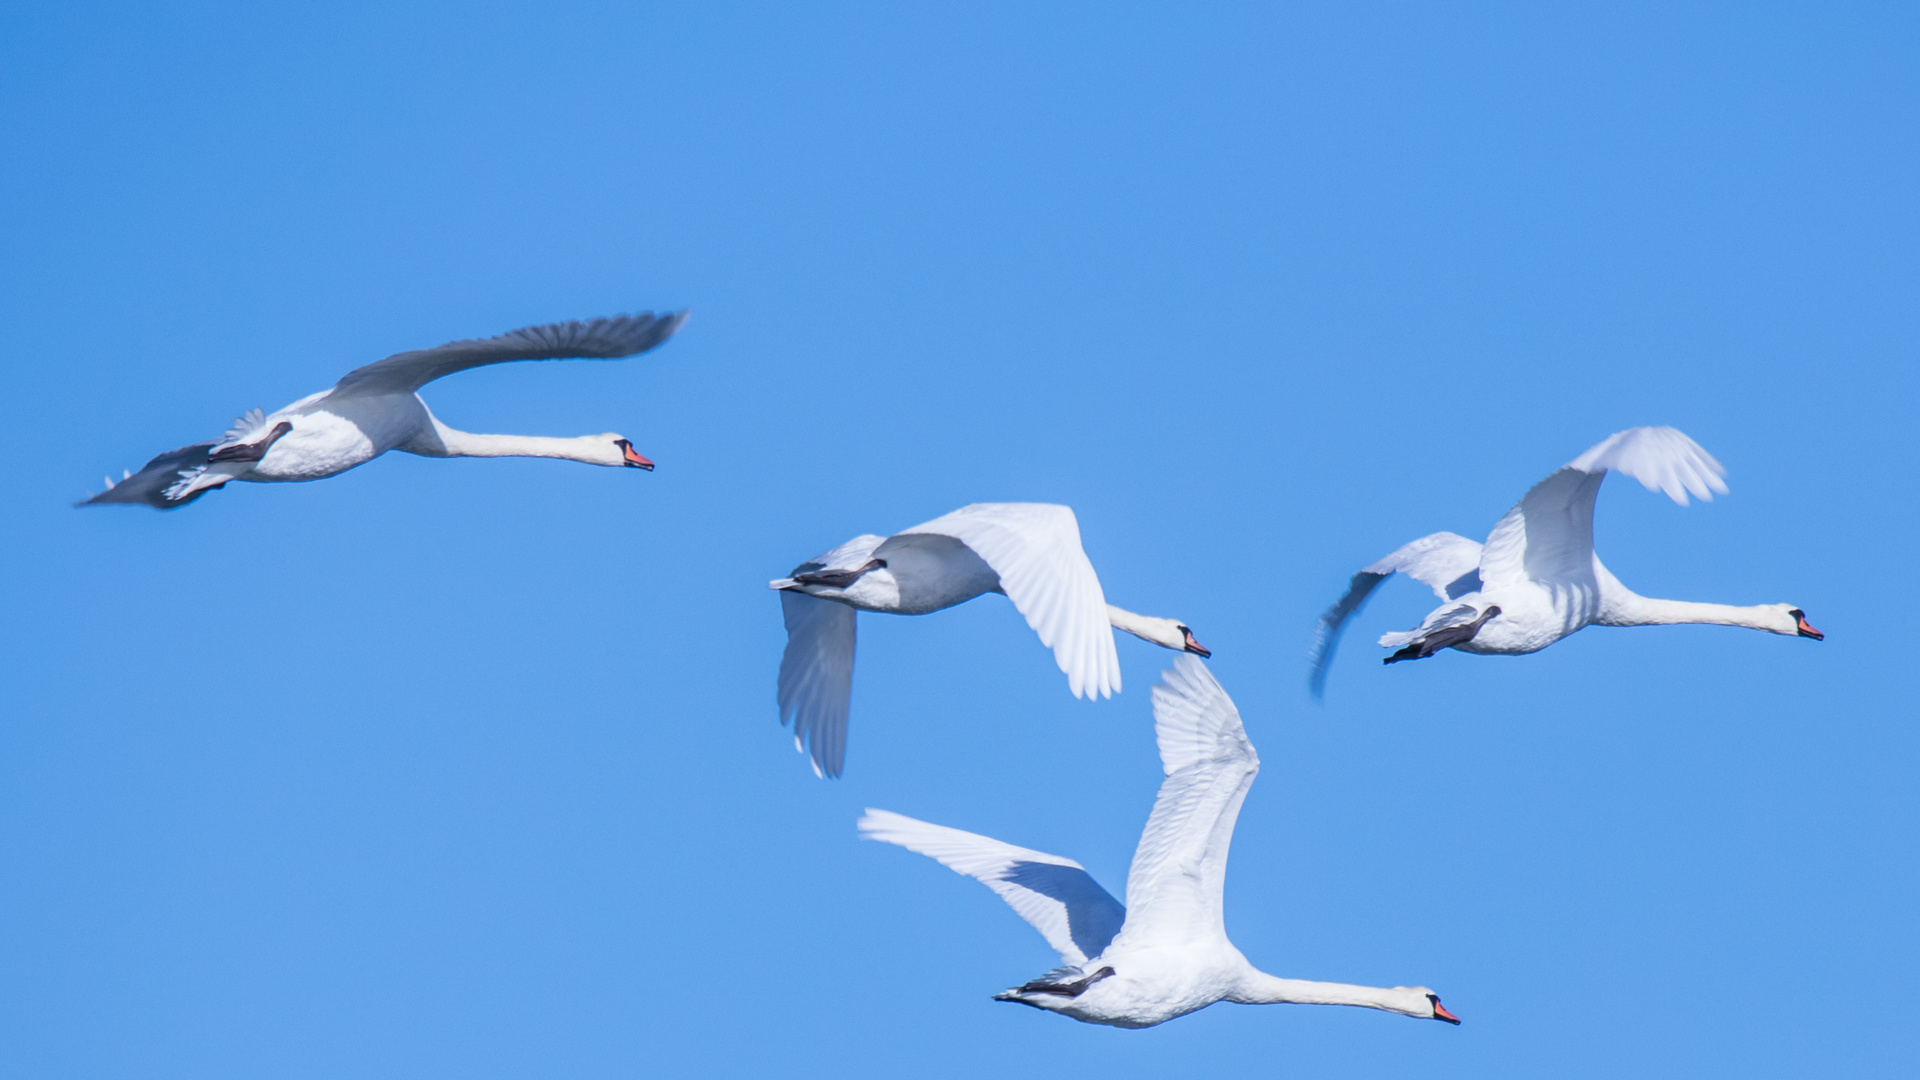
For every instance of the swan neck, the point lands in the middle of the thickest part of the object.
(1647, 611)
(1139, 626)
(1260, 988)
(473, 444)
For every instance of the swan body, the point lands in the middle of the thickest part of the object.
(1028, 551)
(377, 408)
(1537, 578)
(1165, 953)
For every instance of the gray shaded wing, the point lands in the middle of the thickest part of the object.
(1055, 895)
(816, 677)
(150, 484)
(597, 339)
(1445, 562)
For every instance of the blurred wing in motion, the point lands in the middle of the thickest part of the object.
(816, 677)
(149, 485)
(1445, 562)
(597, 339)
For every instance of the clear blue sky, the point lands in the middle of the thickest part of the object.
(472, 768)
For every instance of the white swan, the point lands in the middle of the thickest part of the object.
(1166, 953)
(375, 409)
(1028, 551)
(1537, 579)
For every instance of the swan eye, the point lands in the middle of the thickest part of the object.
(1797, 613)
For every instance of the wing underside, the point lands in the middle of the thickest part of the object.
(1055, 895)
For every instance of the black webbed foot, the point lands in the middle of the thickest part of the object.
(838, 579)
(1073, 989)
(252, 451)
(1443, 639)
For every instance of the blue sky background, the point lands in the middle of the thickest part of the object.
(472, 768)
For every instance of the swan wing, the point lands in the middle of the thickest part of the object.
(1057, 896)
(1661, 458)
(1180, 868)
(816, 677)
(596, 339)
(816, 670)
(1548, 535)
(1035, 549)
(150, 484)
(1445, 562)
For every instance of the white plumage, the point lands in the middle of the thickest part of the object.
(1166, 953)
(376, 408)
(1031, 552)
(1537, 579)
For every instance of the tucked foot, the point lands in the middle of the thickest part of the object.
(1443, 639)
(1071, 989)
(252, 451)
(838, 579)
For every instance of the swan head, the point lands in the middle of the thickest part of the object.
(1789, 620)
(1166, 633)
(1417, 1002)
(1801, 626)
(1435, 1010)
(621, 453)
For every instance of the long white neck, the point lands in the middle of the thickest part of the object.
(1621, 606)
(1165, 633)
(1646, 611)
(591, 449)
(1141, 626)
(1260, 988)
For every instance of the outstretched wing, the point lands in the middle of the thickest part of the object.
(597, 339)
(150, 484)
(1057, 896)
(816, 671)
(1180, 868)
(1445, 562)
(816, 677)
(1035, 548)
(1548, 536)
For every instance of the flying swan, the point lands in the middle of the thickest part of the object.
(1166, 953)
(376, 408)
(1537, 579)
(1028, 551)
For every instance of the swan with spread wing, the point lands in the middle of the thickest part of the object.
(377, 408)
(1537, 578)
(1030, 552)
(1165, 953)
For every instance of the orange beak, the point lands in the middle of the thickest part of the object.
(1807, 630)
(1198, 649)
(633, 458)
(1440, 1013)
